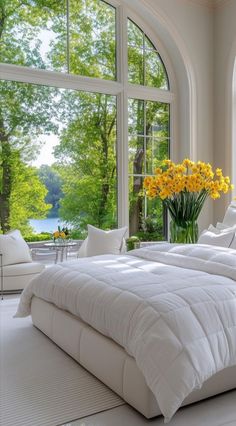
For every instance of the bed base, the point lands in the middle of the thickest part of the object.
(110, 363)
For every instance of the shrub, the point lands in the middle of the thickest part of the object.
(44, 236)
(149, 236)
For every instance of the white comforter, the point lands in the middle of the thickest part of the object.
(173, 308)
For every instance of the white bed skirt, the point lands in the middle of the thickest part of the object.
(109, 362)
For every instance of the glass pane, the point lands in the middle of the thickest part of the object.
(135, 65)
(136, 116)
(157, 119)
(145, 216)
(145, 154)
(59, 156)
(92, 39)
(136, 205)
(145, 66)
(136, 155)
(135, 35)
(34, 35)
(154, 220)
(156, 151)
(155, 74)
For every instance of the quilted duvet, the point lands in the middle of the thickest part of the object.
(172, 307)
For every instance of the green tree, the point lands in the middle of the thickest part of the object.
(27, 197)
(53, 182)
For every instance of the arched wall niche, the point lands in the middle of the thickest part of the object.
(233, 122)
(230, 114)
(171, 46)
(229, 123)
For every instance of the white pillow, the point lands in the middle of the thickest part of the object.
(222, 239)
(83, 248)
(214, 229)
(14, 249)
(233, 243)
(15, 233)
(223, 227)
(103, 242)
(230, 215)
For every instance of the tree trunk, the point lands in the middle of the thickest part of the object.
(135, 216)
(105, 186)
(136, 207)
(6, 181)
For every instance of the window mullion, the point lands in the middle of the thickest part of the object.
(149, 93)
(122, 122)
(57, 79)
(122, 161)
(122, 50)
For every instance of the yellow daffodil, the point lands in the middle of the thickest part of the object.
(194, 177)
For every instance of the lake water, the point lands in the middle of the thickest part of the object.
(46, 225)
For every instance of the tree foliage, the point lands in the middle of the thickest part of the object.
(27, 197)
(87, 156)
(53, 182)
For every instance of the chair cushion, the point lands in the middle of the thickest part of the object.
(14, 249)
(23, 269)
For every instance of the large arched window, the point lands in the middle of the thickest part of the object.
(85, 107)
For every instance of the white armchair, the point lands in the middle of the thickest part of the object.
(16, 277)
(17, 267)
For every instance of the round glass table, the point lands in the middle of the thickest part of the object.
(61, 249)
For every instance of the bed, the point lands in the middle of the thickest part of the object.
(157, 325)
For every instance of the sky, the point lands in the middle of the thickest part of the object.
(46, 155)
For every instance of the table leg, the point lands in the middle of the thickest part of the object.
(56, 259)
(62, 253)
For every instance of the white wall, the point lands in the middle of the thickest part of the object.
(225, 53)
(201, 43)
(186, 31)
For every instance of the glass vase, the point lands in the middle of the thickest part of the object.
(185, 233)
(59, 240)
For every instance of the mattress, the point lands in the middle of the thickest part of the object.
(109, 362)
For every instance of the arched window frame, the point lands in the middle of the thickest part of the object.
(121, 88)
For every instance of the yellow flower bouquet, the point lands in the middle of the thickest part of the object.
(59, 235)
(184, 188)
